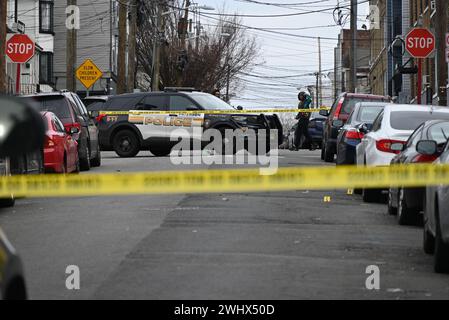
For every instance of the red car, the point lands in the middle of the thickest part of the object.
(60, 147)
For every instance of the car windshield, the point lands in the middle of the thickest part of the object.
(56, 104)
(350, 102)
(210, 102)
(410, 120)
(439, 132)
(368, 114)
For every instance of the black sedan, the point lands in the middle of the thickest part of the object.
(407, 203)
(359, 122)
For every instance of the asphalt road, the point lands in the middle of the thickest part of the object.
(223, 246)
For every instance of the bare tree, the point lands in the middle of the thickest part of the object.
(209, 64)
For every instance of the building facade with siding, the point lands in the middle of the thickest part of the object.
(97, 39)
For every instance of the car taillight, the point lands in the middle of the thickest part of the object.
(48, 142)
(384, 145)
(420, 158)
(338, 110)
(353, 134)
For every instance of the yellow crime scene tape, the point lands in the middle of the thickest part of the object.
(247, 111)
(223, 181)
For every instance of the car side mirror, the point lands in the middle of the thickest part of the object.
(324, 113)
(363, 128)
(337, 123)
(239, 108)
(427, 147)
(74, 130)
(22, 129)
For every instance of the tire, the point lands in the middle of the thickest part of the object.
(370, 195)
(96, 162)
(390, 209)
(406, 216)
(160, 151)
(85, 163)
(7, 202)
(126, 144)
(428, 241)
(441, 258)
(328, 156)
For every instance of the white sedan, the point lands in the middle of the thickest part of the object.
(389, 133)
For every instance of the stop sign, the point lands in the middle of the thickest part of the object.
(20, 48)
(420, 43)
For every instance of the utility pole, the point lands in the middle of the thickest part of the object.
(353, 60)
(441, 28)
(183, 38)
(71, 54)
(228, 80)
(320, 75)
(132, 42)
(155, 79)
(3, 9)
(317, 89)
(122, 39)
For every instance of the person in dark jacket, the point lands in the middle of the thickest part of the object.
(305, 102)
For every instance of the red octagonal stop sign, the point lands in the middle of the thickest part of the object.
(20, 48)
(420, 43)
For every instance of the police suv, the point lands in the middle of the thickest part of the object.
(127, 134)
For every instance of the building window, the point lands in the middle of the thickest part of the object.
(46, 68)
(46, 16)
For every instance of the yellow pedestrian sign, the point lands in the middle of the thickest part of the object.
(88, 73)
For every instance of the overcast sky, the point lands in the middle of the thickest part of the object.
(283, 55)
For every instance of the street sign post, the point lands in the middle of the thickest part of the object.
(88, 73)
(420, 43)
(20, 49)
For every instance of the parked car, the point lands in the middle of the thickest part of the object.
(339, 112)
(407, 203)
(128, 136)
(23, 132)
(390, 132)
(315, 131)
(350, 136)
(71, 111)
(60, 146)
(436, 211)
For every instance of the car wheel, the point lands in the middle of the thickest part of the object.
(7, 202)
(96, 162)
(441, 259)
(370, 195)
(391, 209)
(85, 163)
(406, 216)
(428, 240)
(328, 156)
(126, 144)
(160, 151)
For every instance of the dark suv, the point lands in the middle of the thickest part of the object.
(127, 136)
(337, 117)
(71, 111)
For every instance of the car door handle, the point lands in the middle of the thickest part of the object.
(173, 115)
